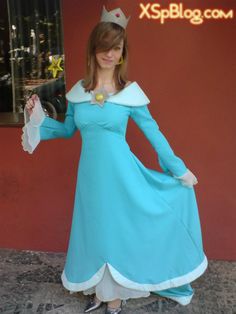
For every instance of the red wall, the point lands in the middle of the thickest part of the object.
(188, 73)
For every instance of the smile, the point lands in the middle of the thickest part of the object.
(107, 60)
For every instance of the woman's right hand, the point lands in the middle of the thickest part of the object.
(31, 103)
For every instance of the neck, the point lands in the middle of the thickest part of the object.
(105, 76)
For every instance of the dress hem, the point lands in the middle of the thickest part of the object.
(182, 300)
(175, 282)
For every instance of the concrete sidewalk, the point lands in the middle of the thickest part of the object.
(30, 283)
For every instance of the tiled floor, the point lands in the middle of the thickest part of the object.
(30, 283)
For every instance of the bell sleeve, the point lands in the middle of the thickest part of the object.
(39, 127)
(169, 162)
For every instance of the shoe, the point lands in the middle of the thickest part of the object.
(92, 305)
(117, 310)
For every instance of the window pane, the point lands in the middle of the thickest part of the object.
(35, 40)
(5, 69)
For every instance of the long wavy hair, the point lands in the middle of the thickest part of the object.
(105, 36)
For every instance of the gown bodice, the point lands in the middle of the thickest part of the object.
(93, 118)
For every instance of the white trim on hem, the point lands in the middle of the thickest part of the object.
(175, 282)
(182, 300)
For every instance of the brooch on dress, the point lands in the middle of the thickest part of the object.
(99, 96)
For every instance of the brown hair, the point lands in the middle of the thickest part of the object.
(104, 37)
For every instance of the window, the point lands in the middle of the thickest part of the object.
(31, 57)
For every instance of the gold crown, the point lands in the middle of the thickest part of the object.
(114, 16)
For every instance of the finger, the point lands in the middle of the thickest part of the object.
(187, 185)
(28, 102)
(35, 98)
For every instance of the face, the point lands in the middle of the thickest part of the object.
(109, 59)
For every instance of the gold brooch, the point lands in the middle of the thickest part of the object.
(99, 96)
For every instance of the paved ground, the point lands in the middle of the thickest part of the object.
(30, 283)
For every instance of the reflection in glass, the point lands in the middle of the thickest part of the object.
(35, 32)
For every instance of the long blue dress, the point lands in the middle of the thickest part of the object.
(141, 224)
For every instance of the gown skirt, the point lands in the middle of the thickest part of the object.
(134, 230)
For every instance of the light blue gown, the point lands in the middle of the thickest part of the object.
(141, 224)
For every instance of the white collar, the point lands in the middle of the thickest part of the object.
(132, 95)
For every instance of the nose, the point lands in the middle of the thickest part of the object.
(109, 53)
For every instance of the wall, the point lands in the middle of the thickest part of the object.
(188, 73)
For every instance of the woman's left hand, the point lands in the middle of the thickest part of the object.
(188, 179)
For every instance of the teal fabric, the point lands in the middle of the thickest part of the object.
(51, 128)
(181, 291)
(143, 222)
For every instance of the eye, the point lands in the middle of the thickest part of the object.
(117, 47)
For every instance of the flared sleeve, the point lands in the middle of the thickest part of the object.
(51, 128)
(169, 162)
(31, 130)
(39, 127)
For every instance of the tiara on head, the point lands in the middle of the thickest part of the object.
(114, 16)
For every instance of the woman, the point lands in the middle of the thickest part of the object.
(134, 229)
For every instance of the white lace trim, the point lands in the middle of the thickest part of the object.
(108, 289)
(95, 279)
(31, 133)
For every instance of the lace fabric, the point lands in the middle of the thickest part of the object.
(108, 289)
(31, 133)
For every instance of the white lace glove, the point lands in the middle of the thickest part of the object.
(188, 179)
(37, 113)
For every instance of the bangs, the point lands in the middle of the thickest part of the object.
(104, 37)
(109, 38)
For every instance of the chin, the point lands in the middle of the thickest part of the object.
(107, 66)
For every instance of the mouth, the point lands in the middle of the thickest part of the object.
(105, 60)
